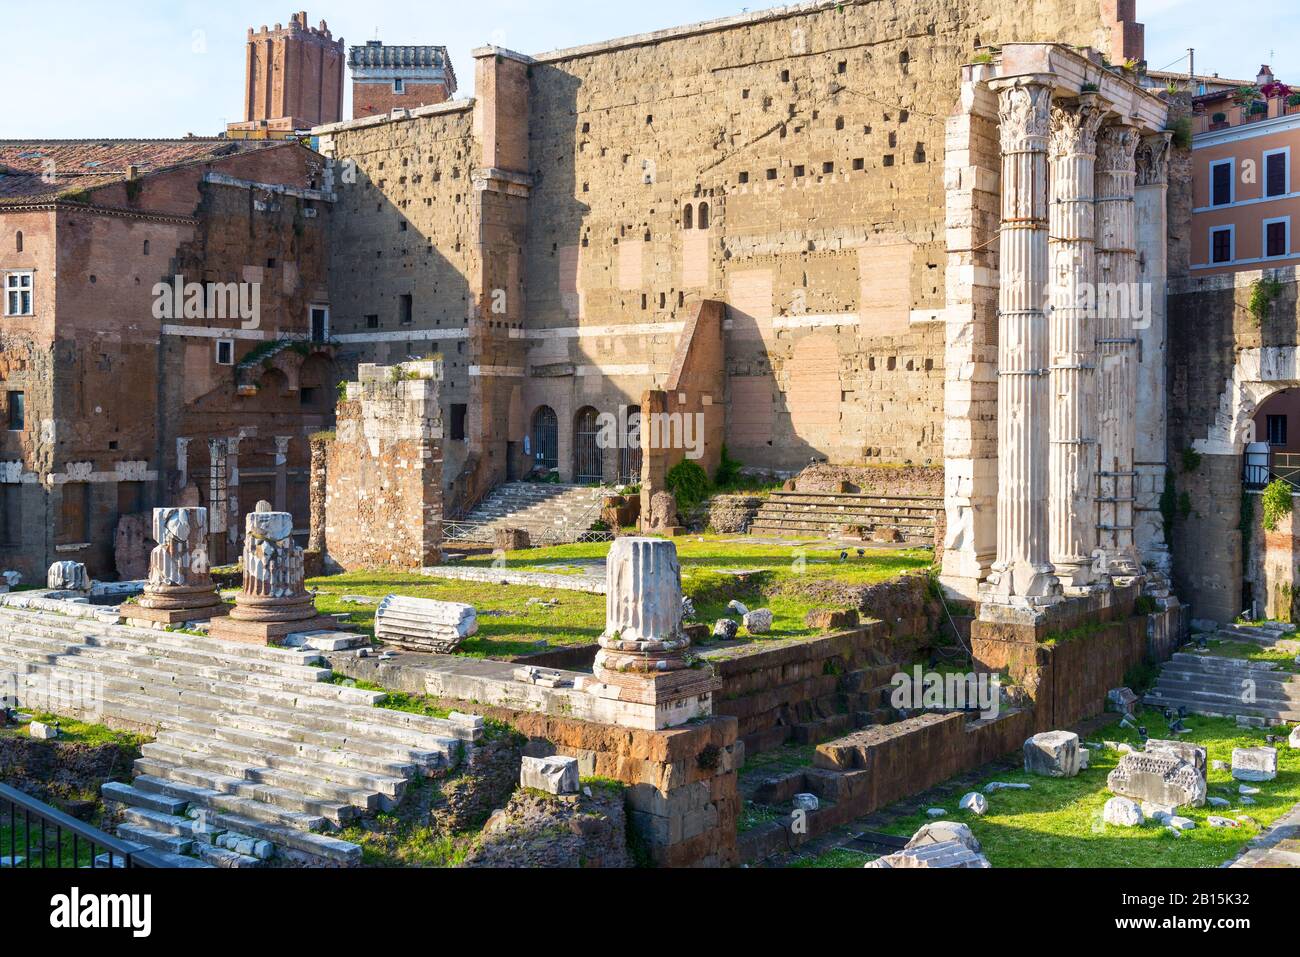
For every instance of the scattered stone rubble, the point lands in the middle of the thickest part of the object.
(1053, 754)
(1160, 777)
(940, 844)
(554, 775)
(1254, 764)
(68, 576)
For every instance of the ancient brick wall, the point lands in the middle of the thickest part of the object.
(788, 163)
(373, 99)
(1223, 364)
(383, 471)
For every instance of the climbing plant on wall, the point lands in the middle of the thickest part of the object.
(1277, 503)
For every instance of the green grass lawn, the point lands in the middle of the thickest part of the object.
(72, 731)
(1058, 823)
(509, 626)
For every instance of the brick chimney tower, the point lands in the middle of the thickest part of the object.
(293, 80)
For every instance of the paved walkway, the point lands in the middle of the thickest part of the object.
(1278, 846)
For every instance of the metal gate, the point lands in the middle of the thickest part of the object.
(546, 438)
(586, 447)
(629, 453)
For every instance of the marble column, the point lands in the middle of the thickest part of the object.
(642, 676)
(273, 601)
(183, 466)
(232, 490)
(180, 587)
(1117, 343)
(1073, 459)
(282, 472)
(1151, 456)
(1022, 569)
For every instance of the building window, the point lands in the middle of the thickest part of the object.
(1275, 173)
(459, 416)
(320, 323)
(688, 216)
(18, 294)
(225, 352)
(704, 216)
(399, 85)
(17, 412)
(1276, 429)
(372, 322)
(1221, 183)
(406, 309)
(1277, 238)
(19, 241)
(309, 396)
(1221, 245)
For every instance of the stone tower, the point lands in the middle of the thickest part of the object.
(387, 77)
(293, 80)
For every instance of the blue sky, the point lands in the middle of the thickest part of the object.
(154, 68)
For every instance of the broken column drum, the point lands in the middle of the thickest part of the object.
(180, 579)
(273, 571)
(643, 609)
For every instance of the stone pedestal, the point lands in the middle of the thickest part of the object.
(273, 602)
(180, 587)
(642, 662)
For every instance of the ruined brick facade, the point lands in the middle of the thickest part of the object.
(124, 410)
(551, 237)
(383, 470)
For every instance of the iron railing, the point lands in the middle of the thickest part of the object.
(1282, 466)
(33, 834)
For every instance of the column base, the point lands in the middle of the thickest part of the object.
(264, 632)
(1032, 584)
(142, 615)
(653, 702)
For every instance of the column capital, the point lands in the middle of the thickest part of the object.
(1075, 125)
(1024, 105)
(1153, 159)
(1117, 145)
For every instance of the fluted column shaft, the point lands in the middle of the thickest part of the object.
(1073, 458)
(1022, 568)
(1117, 276)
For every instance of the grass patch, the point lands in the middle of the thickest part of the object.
(839, 857)
(1249, 651)
(405, 837)
(1058, 823)
(508, 625)
(72, 731)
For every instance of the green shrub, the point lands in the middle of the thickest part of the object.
(1191, 460)
(1263, 293)
(689, 484)
(1277, 503)
(728, 469)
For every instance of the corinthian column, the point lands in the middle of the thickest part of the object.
(1073, 462)
(1153, 273)
(1022, 568)
(1117, 296)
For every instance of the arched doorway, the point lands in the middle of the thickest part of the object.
(587, 466)
(546, 438)
(629, 453)
(1273, 441)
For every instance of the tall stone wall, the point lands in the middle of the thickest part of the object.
(787, 163)
(383, 471)
(1224, 362)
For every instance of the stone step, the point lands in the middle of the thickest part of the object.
(257, 771)
(226, 683)
(225, 813)
(390, 787)
(1220, 663)
(226, 796)
(1225, 696)
(150, 714)
(223, 857)
(371, 770)
(158, 840)
(211, 771)
(175, 824)
(1218, 706)
(378, 723)
(128, 796)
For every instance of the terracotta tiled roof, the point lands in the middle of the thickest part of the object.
(41, 170)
